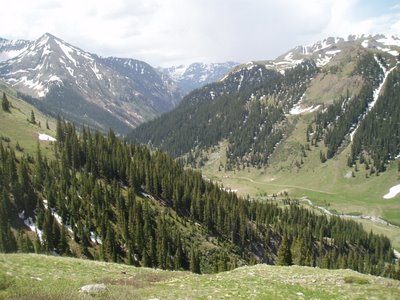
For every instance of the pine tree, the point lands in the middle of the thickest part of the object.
(194, 260)
(62, 246)
(284, 253)
(32, 119)
(5, 104)
(7, 239)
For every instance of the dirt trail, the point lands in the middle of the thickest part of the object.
(282, 185)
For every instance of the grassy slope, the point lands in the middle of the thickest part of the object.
(31, 276)
(15, 125)
(321, 183)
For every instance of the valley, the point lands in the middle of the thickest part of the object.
(279, 162)
(328, 185)
(322, 146)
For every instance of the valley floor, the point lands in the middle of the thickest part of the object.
(332, 186)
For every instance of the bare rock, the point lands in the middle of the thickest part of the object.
(93, 288)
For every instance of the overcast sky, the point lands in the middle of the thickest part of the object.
(171, 32)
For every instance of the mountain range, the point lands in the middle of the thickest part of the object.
(311, 139)
(118, 93)
(197, 75)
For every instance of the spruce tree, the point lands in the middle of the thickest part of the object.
(194, 260)
(5, 104)
(284, 253)
(33, 118)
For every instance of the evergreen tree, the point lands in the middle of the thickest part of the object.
(33, 118)
(5, 104)
(194, 260)
(284, 253)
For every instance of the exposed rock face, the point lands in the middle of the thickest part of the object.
(93, 288)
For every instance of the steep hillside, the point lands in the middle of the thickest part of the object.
(197, 75)
(341, 79)
(16, 127)
(101, 92)
(247, 108)
(100, 198)
(45, 277)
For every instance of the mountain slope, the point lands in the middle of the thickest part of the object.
(328, 77)
(16, 126)
(253, 97)
(10, 49)
(334, 144)
(41, 276)
(100, 92)
(101, 198)
(197, 75)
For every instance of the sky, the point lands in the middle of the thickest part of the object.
(174, 32)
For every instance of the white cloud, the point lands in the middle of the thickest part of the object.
(181, 31)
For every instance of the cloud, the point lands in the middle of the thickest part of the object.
(165, 32)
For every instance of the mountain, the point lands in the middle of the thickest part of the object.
(252, 97)
(250, 107)
(102, 92)
(197, 75)
(319, 123)
(9, 49)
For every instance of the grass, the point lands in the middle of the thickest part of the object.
(324, 184)
(16, 126)
(31, 276)
(355, 279)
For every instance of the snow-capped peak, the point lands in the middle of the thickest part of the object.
(197, 74)
(45, 62)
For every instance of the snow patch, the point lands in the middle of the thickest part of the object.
(240, 82)
(95, 238)
(21, 215)
(54, 78)
(365, 43)
(96, 72)
(297, 110)
(46, 51)
(376, 93)
(323, 61)
(36, 85)
(176, 73)
(29, 222)
(333, 52)
(393, 191)
(394, 52)
(10, 54)
(147, 195)
(45, 137)
(391, 41)
(212, 94)
(67, 50)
